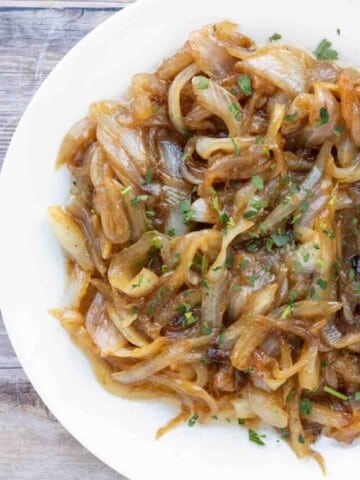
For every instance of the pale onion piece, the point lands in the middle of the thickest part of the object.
(202, 374)
(76, 287)
(276, 119)
(295, 426)
(341, 341)
(210, 56)
(176, 86)
(316, 133)
(109, 204)
(242, 198)
(309, 375)
(206, 146)
(108, 137)
(141, 285)
(350, 102)
(214, 302)
(279, 66)
(260, 301)
(146, 351)
(309, 309)
(308, 351)
(70, 237)
(231, 233)
(266, 406)
(253, 332)
(242, 409)
(102, 330)
(81, 135)
(173, 65)
(349, 174)
(327, 416)
(221, 103)
(132, 335)
(203, 212)
(184, 387)
(71, 320)
(126, 271)
(346, 151)
(133, 142)
(312, 179)
(145, 369)
(347, 434)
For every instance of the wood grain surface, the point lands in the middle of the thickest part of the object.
(33, 445)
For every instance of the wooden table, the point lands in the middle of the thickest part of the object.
(34, 36)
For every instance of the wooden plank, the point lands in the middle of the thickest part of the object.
(33, 445)
(65, 3)
(48, 35)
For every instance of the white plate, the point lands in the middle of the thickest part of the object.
(118, 431)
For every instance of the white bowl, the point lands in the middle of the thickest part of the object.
(121, 432)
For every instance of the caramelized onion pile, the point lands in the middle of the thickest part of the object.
(212, 237)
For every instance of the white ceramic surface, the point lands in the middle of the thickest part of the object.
(118, 431)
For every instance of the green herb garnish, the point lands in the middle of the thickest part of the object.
(305, 406)
(203, 83)
(187, 210)
(193, 420)
(280, 240)
(323, 116)
(235, 111)
(335, 393)
(339, 130)
(254, 437)
(258, 182)
(274, 37)
(324, 52)
(135, 202)
(290, 117)
(236, 146)
(244, 83)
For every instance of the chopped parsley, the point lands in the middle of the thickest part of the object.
(274, 37)
(187, 210)
(290, 117)
(298, 267)
(207, 329)
(203, 83)
(338, 31)
(148, 176)
(252, 279)
(258, 182)
(339, 130)
(192, 420)
(155, 108)
(287, 311)
(235, 111)
(305, 406)
(304, 205)
(323, 116)
(313, 295)
(236, 146)
(254, 437)
(324, 52)
(293, 294)
(335, 393)
(357, 396)
(229, 262)
(135, 202)
(323, 364)
(126, 190)
(171, 232)
(322, 283)
(301, 439)
(244, 264)
(280, 240)
(351, 275)
(259, 140)
(244, 83)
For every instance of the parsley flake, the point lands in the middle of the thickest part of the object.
(335, 393)
(254, 437)
(323, 116)
(258, 182)
(135, 202)
(187, 210)
(203, 83)
(274, 37)
(193, 420)
(305, 406)
(244, 83)
(280, 240)
(235, 111)
(324, 52)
